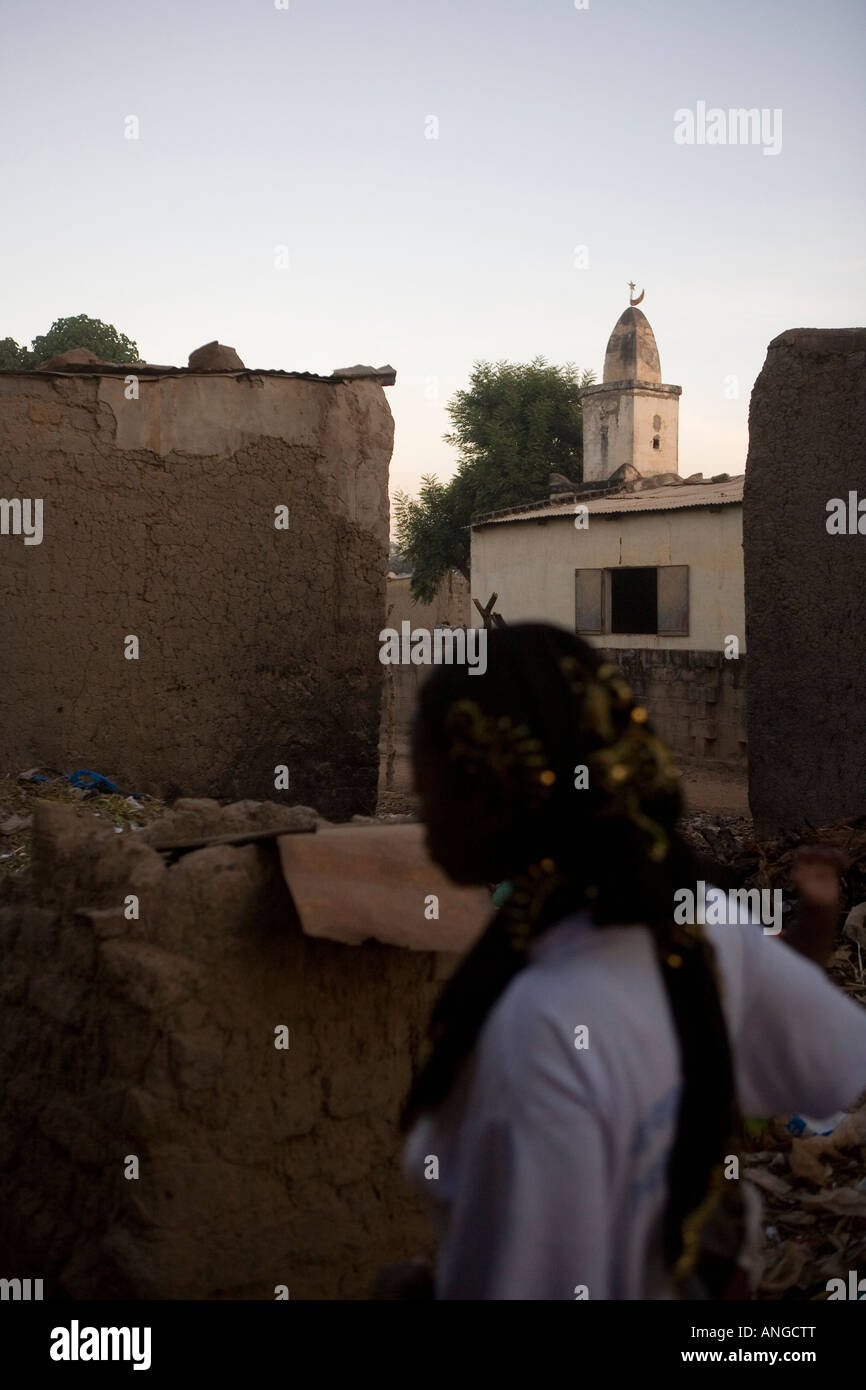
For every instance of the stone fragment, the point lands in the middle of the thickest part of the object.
(215, 357)
(386, 375)
(75, 357)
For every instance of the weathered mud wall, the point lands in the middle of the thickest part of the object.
(257, 645)
(154, 1037)
(805, 586)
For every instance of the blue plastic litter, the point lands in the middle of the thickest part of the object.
(83, 779)
(804, 1127)
(89, 781)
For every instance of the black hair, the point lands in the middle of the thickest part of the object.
(546, 706)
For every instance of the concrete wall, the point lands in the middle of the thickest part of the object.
(805, 588)
(619, 426)
(531, 566)
(258, 646)
(153, 1037)
(697, 699)
(451, 607)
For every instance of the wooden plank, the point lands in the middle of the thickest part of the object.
(174, 849)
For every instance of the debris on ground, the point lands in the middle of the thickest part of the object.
(814, 1205)
(813, 1187)
(18, 796)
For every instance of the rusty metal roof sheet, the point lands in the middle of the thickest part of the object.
(386, 376)
(663, 499)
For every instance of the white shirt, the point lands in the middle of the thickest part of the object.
(552, 1159)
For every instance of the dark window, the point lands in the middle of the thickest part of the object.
(634, 600)
(656, 443)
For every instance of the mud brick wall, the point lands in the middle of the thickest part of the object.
(806, 587)
(154, 1037)
(696, 700)
(258, 646)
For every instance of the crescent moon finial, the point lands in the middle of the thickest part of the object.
(631, 299)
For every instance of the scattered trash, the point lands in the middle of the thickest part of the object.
(814, 1205)
(855, 924)
(751, 863)
(754, 1125)
(805, 1163)
(82, 780)
(19, 793)
(786, 1270)
(92, 781)
(804, 1127)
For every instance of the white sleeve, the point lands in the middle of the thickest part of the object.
(801, 1044)
(530, 1218)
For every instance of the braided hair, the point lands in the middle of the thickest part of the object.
(585, 800)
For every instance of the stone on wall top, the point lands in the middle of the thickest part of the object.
(386, 375)
(73, 357)
(211, 357)
(215, 357)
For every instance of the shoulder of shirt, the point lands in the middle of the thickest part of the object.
(527, 1039)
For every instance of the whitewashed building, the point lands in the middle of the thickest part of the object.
(641, 561)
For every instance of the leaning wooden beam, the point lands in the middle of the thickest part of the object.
(489, 618)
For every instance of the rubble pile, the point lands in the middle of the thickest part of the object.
(752, 863)
(813, 1188)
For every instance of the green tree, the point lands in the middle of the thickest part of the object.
(514, 425)
(101, 338)
(429, 535)
(11, 355)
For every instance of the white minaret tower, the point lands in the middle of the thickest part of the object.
(631, 418)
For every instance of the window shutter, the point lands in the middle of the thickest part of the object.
(588, 600)
(673, 600)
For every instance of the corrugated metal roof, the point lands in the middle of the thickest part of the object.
(153, 371)
(663, 499)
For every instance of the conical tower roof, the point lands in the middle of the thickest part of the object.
(632, 354)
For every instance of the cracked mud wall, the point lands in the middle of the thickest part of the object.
(154, 1037)
(805, 587)
(258, 646)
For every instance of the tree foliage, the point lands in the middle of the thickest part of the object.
(429, 535)
(101, 338)
(514, 425)
(11, 355)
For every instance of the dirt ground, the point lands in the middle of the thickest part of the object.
(707, 786)
(714, 787)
